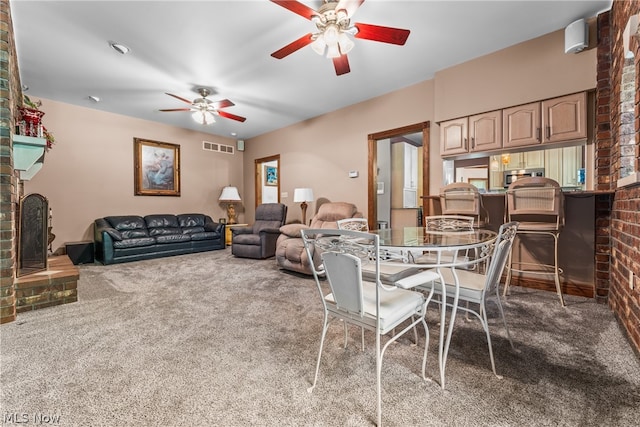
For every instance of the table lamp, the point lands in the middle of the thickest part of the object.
(303, 195)
(230, 196)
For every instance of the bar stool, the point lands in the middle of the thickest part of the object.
(462, 198)
(538, 204)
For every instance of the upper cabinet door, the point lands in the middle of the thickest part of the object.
(453, 136)
(485, 131)
(521, 125)
(565, 118)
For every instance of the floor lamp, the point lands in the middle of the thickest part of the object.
(302, 196)
(230, 196)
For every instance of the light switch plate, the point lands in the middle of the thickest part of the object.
(353, 174)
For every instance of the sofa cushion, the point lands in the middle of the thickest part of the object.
(128, 222)
(293, 230)
(205, 235)
(172, 238)
(163, 231)
(247, 239)
(191, 230)
(191, 220)
(161, 221)
(133, 243)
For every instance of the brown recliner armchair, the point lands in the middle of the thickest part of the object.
(259, 240)
(290, 253)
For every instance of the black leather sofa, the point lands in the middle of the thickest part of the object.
(133, 238)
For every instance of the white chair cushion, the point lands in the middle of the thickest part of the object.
(395, 305)
(471, 284)
(418, 279)
(389, 273)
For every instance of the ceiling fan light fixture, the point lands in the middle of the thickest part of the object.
(319, 45)
(333, 51)
(204, 117)
(345, 43)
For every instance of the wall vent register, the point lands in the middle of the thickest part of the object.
(219, 148)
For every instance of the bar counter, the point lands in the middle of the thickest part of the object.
(579, 248)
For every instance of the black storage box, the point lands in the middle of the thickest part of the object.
(80, 252)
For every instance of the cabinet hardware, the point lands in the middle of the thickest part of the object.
(473, 143)
(548, 132)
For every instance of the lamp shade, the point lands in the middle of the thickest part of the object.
(302, 195)
(229, 194)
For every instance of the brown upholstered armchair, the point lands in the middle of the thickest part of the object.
(290, 252)
(259, 240)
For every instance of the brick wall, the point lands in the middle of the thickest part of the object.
(624, 256)
(9, 92)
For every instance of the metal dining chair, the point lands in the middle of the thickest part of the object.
(476, 288)
(368, 304)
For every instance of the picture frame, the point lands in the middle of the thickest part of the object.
(271, 176)
(156, 168)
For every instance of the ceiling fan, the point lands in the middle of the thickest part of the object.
(335, 31)
(204, 109)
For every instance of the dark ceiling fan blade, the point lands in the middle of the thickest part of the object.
(381, 34)
(222, 104)
(179, 97)
(292, 47)
(296, 7)
(341, 65)
(349, 5)
(177, 109)
(231, 116)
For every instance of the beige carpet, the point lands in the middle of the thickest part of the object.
(213, 340)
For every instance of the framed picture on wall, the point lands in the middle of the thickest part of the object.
(271, 175)
(156, 168)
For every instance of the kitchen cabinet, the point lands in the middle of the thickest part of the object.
(454, 136)
(527, 160)
(562, 164)
(553, 120)
(565, 118)
(521, 125)
(477, 133)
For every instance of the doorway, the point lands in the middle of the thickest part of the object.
(267, 184)
(393, 199)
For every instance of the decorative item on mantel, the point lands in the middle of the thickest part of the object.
(30, 123)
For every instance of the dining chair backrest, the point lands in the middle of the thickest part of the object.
(446, 223)
(535, 199)
(355, 224)
(462, 198)
(499, 256)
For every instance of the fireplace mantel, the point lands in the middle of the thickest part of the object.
(28, 155)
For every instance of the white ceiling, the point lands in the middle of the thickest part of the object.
(178, 46)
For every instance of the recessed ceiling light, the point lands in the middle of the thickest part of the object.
(120, 48)
(233, 134)
(94, 98)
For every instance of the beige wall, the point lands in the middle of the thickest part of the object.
(320, 152)
(531, 71)
(89, 172)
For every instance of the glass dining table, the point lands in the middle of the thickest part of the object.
(446, 249)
